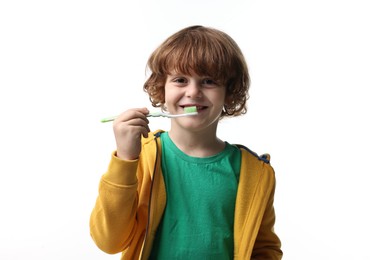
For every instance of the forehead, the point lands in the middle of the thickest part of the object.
(194, 65)
(190, 73)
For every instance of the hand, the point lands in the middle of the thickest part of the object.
(129, 127)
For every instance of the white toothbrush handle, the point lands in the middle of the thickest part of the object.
(154, 114)
(180, 115)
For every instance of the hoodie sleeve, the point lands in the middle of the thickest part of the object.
(116, 222)
(267, 244)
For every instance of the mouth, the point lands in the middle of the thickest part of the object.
(198, 107)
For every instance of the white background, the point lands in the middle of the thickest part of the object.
(319, 105)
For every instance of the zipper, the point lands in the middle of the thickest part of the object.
(150, 196)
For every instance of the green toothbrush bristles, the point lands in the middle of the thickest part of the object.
(190, 110)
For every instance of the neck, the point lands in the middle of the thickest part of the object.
(197, 144)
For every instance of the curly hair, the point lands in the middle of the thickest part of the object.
(204, 51)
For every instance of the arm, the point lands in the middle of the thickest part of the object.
(116, 222)
(268, 245)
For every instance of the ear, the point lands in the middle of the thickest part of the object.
(228, 100)
(161, 97)
(164, 107)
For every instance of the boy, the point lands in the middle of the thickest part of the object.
(186, 194)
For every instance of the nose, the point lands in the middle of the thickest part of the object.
(193, 89)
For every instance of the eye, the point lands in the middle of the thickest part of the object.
(208, 82)
(180, 80)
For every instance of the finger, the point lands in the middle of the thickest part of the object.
(145, 132)
(131, 114)
(137, 122)
(144, 110)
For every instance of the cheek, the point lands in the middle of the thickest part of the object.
(169, 96)
(225, 98)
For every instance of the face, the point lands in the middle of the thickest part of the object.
(192, 90)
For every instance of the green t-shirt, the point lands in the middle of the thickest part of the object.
(199, 216)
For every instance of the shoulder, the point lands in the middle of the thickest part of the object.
(253, 163)
(266, 158)
(256, 168)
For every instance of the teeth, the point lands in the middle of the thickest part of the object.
(197, 107)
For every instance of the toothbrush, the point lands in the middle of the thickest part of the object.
(188, 111)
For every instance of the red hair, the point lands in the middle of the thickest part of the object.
(206, 52)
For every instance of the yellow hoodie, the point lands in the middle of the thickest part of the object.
(132, 199)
